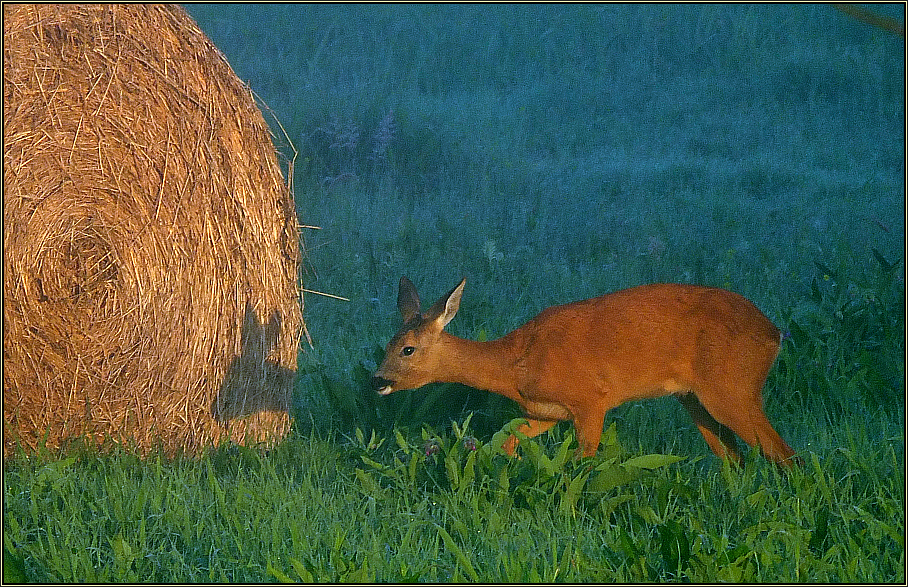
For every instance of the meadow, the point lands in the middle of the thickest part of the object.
(547, 153)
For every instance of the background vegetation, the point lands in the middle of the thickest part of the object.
(547, 154)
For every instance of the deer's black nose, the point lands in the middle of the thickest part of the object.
(381, 385)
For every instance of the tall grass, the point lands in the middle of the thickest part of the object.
(547, 153)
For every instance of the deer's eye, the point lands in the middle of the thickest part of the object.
(407, 351)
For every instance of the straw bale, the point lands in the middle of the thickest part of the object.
(151, 245)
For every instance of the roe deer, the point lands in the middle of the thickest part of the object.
(710, 348)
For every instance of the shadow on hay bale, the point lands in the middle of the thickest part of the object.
(148, 232)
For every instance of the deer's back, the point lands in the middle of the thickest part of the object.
(646, 340)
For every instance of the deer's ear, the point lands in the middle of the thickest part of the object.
(446, 307)
(407, 299)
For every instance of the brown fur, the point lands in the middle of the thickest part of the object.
(710, 348)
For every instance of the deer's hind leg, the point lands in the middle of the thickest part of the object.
(718, 436)
(747, 419)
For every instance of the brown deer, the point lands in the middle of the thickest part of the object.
(710, 348)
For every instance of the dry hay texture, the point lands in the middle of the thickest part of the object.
(151, 248)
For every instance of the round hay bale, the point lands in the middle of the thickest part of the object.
(151, 247)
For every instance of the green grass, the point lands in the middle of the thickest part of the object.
(322, 510)
(548, 154)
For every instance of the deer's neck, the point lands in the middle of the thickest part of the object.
(491, 365)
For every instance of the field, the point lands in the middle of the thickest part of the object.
(547, 153)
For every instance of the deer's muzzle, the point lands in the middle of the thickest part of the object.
(382, 386)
